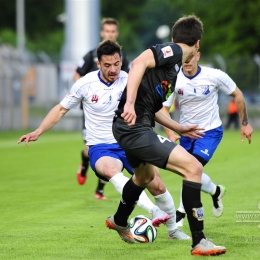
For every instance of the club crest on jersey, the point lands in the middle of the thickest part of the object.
(206, 91)
(176, 67)
(198, 213)
(180, 92)
(94, 99)
(167, 51)
(164, 89)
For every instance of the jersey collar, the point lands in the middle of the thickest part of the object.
(107, 84)
(198, 72)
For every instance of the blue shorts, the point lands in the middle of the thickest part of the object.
(112, 150)
(205, 146)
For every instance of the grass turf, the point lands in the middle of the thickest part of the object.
(45, 214)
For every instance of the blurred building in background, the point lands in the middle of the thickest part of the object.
(30, 86)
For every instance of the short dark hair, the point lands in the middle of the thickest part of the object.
(109, 20)
(187, 30)
(108, 47)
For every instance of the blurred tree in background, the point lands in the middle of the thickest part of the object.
(129, 15)
(43, 31)
(231, 28)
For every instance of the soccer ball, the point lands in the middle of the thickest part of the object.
(143, 229)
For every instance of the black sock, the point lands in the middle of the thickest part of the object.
(100, 187)
(194, 209)
(130, 196)
(215, 197)
(85, 160)
(179, 216)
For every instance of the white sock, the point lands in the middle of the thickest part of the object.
(119, 181)
(181, 207)
(207, 185)
(166, 204)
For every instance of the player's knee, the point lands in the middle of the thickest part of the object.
(194, 172)
(156, 188)
(108, 172)
(143, 179)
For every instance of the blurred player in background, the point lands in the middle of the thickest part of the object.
(233, 115)
(109, 31)
(197, 94)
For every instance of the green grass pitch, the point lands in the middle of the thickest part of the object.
(45, 214)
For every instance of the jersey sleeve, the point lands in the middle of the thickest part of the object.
(169, 101)
(167, 54)
(85, 64)
(225, 83)
(74, 97)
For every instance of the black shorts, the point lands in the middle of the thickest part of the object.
(141, 144)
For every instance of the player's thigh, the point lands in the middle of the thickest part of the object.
(184, 164)
(108, 166)
(86, 149)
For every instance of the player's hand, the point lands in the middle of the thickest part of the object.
(247, 131)
(129, 115)
(174, 138)
(28, 138)
(192, 131)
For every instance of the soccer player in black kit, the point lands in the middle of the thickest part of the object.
(151, 80)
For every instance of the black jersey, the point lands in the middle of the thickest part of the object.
(157, 84)
(89, 63)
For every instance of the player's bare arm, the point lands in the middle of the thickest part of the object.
(139, 65)
(189, 131)
(53, 117)
(246, 129)
(170, 134)
(189, 51)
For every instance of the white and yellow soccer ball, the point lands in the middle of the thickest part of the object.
(143, 229)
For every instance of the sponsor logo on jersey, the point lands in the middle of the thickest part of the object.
(94, 99)
(206, 91)
(180, 92)
(206, 151)
(167, 51)
(198, 213)
(164, 89)
(176, 67)
(109, 100)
